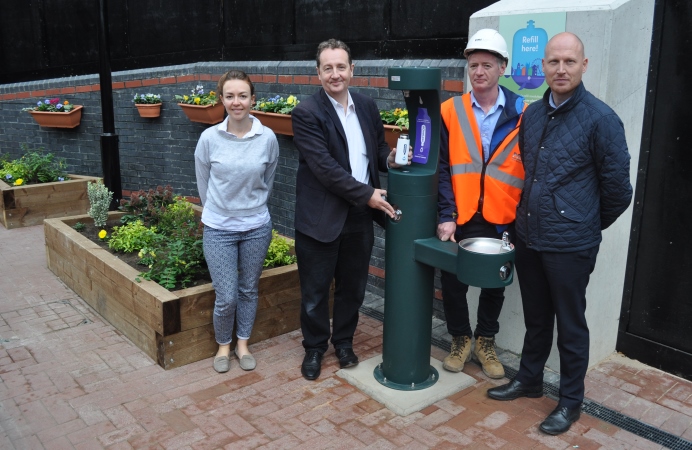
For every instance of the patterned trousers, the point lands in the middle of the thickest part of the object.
(235, 261)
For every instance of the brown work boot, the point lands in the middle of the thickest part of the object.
(485, 354)
(460, 354)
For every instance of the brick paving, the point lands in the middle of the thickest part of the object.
(72, 381)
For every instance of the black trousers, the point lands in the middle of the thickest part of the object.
(454, 300)
(345, 260)
(553, 286)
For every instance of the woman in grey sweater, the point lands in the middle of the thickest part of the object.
(235, 163)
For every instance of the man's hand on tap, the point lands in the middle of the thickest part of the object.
(378, 201)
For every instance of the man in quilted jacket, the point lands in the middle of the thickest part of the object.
(576, 184)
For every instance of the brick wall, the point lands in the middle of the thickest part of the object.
(160, 151)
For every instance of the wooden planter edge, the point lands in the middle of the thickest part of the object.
(29, 205)
(173, 328)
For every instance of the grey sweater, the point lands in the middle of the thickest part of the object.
(235, 176)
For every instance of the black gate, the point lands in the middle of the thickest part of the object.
(656, 318)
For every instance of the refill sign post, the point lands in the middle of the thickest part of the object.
(527, 36)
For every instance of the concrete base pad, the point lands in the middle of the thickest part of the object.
(404, 403)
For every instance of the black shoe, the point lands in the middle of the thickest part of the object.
(560, 420)
(515, 389)
(312, 364)
(346, 357)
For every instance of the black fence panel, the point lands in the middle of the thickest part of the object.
(45, 39)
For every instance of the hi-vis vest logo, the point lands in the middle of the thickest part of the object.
(516, 157)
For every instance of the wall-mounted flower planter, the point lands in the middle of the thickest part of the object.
(149, 110)
(173, 327)
(279, 123)
(392, 133)
(211, 114)
(22, 206)
(58, 119)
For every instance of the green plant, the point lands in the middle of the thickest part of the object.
(198, 97)
(147, 99)
(278, 253)
(277, 104)
(4, 159)
(397, 116)
(175, 256)
(147, 206)
(51, 105)
(100, 199)
(176, 216)
(34, 166)
(131, 237)
(176, 259)
(79, 226)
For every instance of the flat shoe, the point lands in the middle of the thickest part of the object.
(222, 364)
(247, 362)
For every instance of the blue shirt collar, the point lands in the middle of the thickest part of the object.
(500, 102)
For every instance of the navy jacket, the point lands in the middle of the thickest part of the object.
(325, 188)
(577, 167)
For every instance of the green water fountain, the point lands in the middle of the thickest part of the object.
(412, 251)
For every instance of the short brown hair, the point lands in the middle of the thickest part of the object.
(332, 44)
(234, 75)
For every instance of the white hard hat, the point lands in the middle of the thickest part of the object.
(489, 40)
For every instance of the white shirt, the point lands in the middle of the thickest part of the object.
(357, 153)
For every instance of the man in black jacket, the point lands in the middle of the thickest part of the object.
(576, 184)
(340, 138)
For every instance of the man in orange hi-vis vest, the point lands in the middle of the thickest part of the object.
(480, 181)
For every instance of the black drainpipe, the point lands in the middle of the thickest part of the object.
(110, 154)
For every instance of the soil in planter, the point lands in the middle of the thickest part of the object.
(92, 233)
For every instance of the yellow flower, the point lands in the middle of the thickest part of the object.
(212, 94)
(291, 100)
(140, 254)
(65, 102)
(103, 234)
(197, 100)
(18, 182)
(186, 98)
(262, 105)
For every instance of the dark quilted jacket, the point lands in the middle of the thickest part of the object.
(577, 173)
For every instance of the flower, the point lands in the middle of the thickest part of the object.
(397, 116)
(103, 234)
(277, 104)
(51, 105)
(198, 97)
(18, 182)
(61, 178)
(8, 176)
(147, 99)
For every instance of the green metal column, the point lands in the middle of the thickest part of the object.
(409, 284)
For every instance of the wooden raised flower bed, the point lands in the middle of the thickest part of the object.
(172, 327)
(27, 205)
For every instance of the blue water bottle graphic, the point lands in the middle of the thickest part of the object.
(528, 47)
